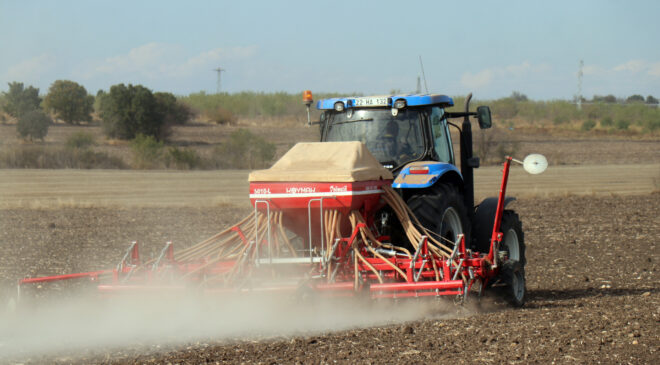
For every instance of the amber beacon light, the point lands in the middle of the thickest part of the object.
(308, 100)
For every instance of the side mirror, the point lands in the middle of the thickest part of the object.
(483, 115)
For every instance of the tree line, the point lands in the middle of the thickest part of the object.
(125, 110)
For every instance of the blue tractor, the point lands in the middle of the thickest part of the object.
(410, 135)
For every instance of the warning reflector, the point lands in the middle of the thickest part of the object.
(535, 163)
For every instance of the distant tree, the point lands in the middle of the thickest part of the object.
(635, 99)
(20, 100)
(605, 99)
(98, 100)
(69, 101)
(651, 100)
(33, 125)
(518, 96)
(130, 110)
(609, 99)
(174, 112)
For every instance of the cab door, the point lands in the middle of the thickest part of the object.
(440, 136)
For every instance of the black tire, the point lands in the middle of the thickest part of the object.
(513, 238)
(513, 276)
(512, 252)
(441, 210)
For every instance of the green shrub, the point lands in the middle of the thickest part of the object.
(222, 116)
(48, 157)
(88, 159)
(518, 96)
(69, 101)
(130, 110)
(147, 152)
(173, 111)
(183, 159)
(606, 122)
(622, 125)
(80, 140)
(588, 125)
(244, 150)
(20, 100)
(33, 125)
(651, 125)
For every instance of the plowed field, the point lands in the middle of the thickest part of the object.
(592, 233)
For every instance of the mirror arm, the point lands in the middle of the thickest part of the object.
(459, 114)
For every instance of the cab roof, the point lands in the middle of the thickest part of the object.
(386, 101)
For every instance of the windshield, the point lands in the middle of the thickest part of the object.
(393, 140)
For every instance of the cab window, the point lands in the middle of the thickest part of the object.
(441, 137)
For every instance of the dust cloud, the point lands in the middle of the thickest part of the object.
(84, 322)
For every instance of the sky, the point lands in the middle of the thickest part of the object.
(489, 48)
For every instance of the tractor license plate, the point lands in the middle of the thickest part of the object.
(371, 102)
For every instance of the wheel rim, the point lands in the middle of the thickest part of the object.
(451, 224)
(512, 245)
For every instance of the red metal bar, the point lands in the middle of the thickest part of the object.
(169, 255)
(135, 254)
(497, 235)
(355, 232)
(347, 285)
(238, 230)
(138, 288)
(45, 279)
(421, 285)
(416, 294)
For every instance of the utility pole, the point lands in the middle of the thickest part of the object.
(219, 71)
(579, 93)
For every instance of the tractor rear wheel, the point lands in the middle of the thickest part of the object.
(513, 238)
(513, 276)
(441, 210)
(512, 251)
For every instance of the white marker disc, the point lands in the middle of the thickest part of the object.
(535, 163)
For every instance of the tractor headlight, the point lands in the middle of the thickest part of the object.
(339, 106)
(400, 104)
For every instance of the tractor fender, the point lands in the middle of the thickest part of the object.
(482, 223)
(435, 171)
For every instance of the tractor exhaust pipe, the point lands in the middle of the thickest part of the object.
(468, 163)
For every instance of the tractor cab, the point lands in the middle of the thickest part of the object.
(409, 135)
(397, 130)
